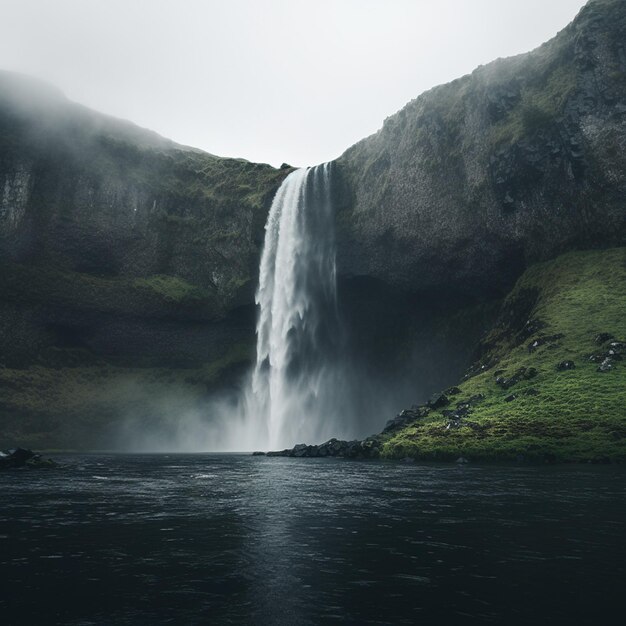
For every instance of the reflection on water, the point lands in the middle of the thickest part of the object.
(238, 539)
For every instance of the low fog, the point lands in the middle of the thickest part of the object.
(271, 82)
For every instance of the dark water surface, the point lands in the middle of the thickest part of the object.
(221, 539)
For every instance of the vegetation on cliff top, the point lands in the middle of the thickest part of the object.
(554, 315)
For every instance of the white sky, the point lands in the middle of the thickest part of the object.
(268, 80)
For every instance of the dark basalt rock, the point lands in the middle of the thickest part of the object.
(542, 340)
(614, 354)
(476, 398)
(565, 365)
(438, 400)
(606, 365)
(532, 327)
(452, 391)
(258, 453)
(603, 338)
(405, 417)
(478, 368)
(597, 358)
(20, 457)
(521, 374)
(366, 449)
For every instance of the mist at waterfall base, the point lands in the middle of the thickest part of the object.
(307, 384)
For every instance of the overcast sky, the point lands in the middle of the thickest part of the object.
(268, 80)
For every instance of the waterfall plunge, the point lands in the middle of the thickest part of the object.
(298, 331)
(305, 387)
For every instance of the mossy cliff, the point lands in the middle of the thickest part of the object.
(127, 268)
(87, 193)
(474, 180)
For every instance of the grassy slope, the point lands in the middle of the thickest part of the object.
(578, 414)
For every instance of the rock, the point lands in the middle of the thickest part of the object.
(531, 372)
(614, 353)
(452, 391)
(438, 400)
(510, 398)
(542, 340)
(405, 417)
(532, 327)
(461, 460)
(521, 374)
(258, 453)
(20, 457)
(299, 449)
(367, 449)
(398, 180)
(478, 368)
(565, 365)
(476, 398)
(606, 365)
(603, 338)
(285, 452)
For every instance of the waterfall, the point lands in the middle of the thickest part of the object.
(298, 331)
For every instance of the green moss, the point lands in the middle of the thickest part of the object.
(577, 414)
(541, 103)
(155, 296)
(172, 288)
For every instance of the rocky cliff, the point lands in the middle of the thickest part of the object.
(123, 257)
(515, 163)
(114, 238)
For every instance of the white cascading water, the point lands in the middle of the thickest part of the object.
(298, 332)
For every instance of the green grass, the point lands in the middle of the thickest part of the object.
(540, 104)
(172, 288)
(579, 414)
(155, 296)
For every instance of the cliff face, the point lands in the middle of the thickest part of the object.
(519, 161)
(127, 269)
(99, 217)
(92, 194)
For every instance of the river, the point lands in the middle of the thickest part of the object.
(236, 539)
